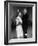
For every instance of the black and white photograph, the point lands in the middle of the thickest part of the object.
(20, 22)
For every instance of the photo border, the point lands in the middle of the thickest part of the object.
(6, 10)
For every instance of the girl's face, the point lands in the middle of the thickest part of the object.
(18, 10)
(19, 14)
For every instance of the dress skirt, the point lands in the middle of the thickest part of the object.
(19, 31)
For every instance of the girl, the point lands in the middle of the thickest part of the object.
(19, 28)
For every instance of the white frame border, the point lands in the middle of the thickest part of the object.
(33, 26)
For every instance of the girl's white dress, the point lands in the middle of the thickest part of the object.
(19, 28)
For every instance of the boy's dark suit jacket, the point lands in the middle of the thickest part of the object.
(25, 22)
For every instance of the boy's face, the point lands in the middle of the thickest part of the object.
(25, 11)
